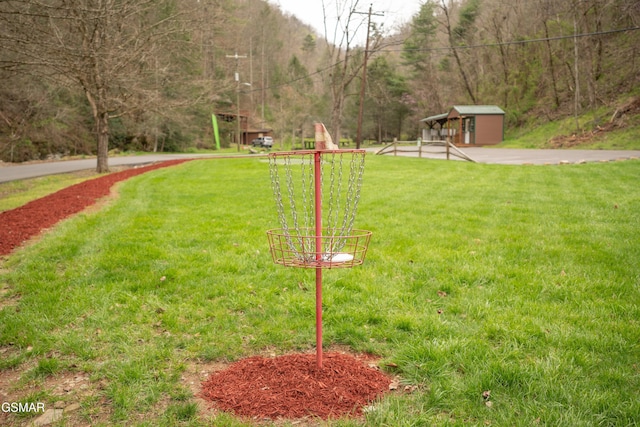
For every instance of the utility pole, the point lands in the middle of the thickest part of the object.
(364, 74)
(237, 77)
(576, 96)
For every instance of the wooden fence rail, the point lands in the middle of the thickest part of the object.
(427, 147)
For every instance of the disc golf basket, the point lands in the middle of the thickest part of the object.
(316, 194)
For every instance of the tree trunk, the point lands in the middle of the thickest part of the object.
(552, 67)
(336, 115)
(102, 130)
(454, 50)
(101, 119)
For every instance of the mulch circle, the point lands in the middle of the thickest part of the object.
(21, 224)
(292, 387)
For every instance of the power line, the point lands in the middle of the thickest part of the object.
(445, 48)
(516, 42)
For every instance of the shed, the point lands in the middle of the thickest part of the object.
(437, 130)
(470, 124)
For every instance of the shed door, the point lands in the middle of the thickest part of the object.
(469, 129)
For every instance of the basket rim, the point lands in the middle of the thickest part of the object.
(292, 262)
(305, 152)
(354, 233)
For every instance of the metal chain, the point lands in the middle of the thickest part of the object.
(335, 202)
(275, 185)
(294, 210)
(353, 193)
(307, 178)
(275, 182)
(332, 188)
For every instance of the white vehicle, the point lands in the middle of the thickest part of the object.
(263, 141)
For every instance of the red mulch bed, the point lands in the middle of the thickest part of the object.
(21, 224)
(292, 387)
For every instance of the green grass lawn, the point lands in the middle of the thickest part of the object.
(519, 280)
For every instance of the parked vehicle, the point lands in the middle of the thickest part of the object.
(263, 141)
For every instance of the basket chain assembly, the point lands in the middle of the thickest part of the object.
(297, 215)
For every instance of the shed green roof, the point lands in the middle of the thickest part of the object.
(435, 118)
(478, 109)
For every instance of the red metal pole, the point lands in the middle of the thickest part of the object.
(318, 212)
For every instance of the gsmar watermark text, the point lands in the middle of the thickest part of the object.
(22, 407)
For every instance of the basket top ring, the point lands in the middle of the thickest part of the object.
(307, 152)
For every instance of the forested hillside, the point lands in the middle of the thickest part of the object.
(90, 76)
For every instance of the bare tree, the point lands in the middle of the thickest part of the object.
(345, 59)
(459, 35)
(108, 48)
(546, 15)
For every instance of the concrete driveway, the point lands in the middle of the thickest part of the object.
(506, 156)
(33, 170)
(512, 156)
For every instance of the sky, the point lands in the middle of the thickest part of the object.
(396, 12)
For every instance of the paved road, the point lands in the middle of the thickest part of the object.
(509, 156)
(32, 170)
(505, 156)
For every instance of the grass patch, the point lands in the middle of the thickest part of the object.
(46, 367)
(539, 135)
(521, 280)
(620, 139)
